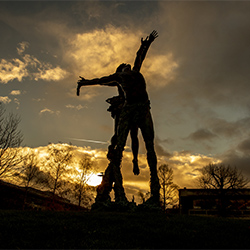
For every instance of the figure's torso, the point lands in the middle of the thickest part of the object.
(134, 87)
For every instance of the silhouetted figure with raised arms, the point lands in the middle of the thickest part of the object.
(135, 113)
(117, 102)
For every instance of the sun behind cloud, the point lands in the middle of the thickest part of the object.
(94, 180)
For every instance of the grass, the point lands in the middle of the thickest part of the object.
(92, 230)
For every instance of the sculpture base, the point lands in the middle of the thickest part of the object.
(111, 206)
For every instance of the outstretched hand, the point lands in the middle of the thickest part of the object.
(80, 83)
(151, 37)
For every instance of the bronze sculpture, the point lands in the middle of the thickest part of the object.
(133, 109)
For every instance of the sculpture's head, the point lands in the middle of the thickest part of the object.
(120, 67)
(123, 67)
(126, 68)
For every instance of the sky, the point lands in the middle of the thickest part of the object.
(197, 75)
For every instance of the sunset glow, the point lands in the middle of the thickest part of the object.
(94, 180)
(196, 75)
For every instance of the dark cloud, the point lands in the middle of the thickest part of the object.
(196, 71)
(201, 135)
(244, 146)
(211, 42)
(122, 14)
(239, 157)
(226, 128)
(240, 161)
(159, 149)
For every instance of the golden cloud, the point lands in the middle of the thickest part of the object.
(77, 107)
(15, 92)
(49, 111)
(5, 99)
(98, 53)
(50, 74)
(20, 68)
(162, 66)
(13, 69)
(185, 166)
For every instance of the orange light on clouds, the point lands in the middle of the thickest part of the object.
(186, 166)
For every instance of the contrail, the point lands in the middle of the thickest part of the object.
(92, 141)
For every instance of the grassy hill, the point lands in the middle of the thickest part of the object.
(92, 230)
(65, 229)
(12, 197)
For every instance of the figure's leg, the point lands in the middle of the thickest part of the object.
(135, 147)
(104, 189)
(122, 134)
(147, 129)
(111, 147)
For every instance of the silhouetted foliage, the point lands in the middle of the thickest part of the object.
(221, 177)
(10, 141)
(29, 172)
(29, 169)
(57, 163)
(169, 190)
(82, 189)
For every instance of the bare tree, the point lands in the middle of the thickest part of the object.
(82, 189)
(10, 141)
(224, 178)
(29, 173)
(169, 190)
(58, 161)
(221, 177)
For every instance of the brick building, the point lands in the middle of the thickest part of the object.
(215, 201)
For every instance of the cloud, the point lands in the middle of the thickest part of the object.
(49, 111)
(234, 131)
(5, 99)
(226, 128)
(210, 86)
(201, 134)
(77, 107)
(186, 166)
(87, 93)
(239, 158)
(159, 149)
(13, 69)
(22, 47)
(244, 146)
(101, 51)
(38, 99)
(15, 92)
(29, 66)
(202, 50)
(17, 102)
(48, 73)
(211, 49)
(161, 68)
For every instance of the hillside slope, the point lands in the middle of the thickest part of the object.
(12, 197)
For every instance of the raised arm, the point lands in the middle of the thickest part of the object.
(141, 53)
(106, 80)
